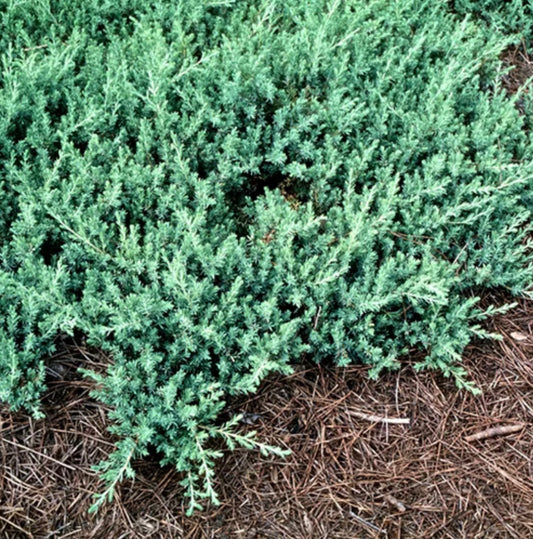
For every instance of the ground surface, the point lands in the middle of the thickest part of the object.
(350, 475)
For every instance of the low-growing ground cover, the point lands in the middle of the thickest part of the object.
(209, 191)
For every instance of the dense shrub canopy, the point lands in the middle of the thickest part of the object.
(209, 189)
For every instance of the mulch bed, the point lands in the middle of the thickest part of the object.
(410, 471)
(521, 62)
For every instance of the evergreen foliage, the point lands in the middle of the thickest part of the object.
(510, 15)
(209, 189)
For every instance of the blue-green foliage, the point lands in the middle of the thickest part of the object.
(506, 15)
(210, 189)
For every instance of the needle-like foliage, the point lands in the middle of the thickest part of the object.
(208, 190)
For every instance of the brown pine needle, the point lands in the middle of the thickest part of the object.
(381, 419)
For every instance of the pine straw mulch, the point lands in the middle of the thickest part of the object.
(520, 60)
(410, 471)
